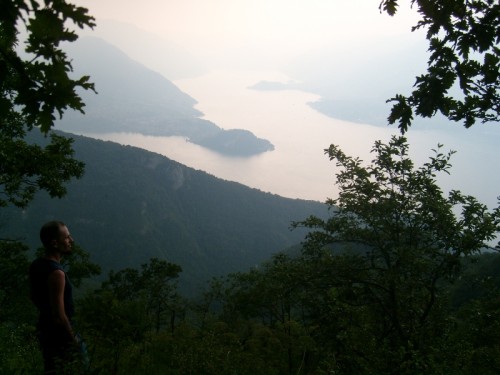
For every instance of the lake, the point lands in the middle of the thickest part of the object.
(298, 167)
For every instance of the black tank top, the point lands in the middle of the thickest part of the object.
(39, 273)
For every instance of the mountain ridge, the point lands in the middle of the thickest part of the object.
(132, 98)
(132, 205)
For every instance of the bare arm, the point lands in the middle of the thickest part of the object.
(57, 282)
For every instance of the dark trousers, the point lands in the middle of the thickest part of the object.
(62, 356)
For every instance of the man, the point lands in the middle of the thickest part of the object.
(51, 292)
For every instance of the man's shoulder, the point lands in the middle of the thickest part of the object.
(45, 265)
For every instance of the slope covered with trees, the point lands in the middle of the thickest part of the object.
(135, 99)
(393, 282)
(132, 205)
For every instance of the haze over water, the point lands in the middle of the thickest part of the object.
(298, 167)
(345, 45)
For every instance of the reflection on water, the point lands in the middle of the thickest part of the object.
(298, 167)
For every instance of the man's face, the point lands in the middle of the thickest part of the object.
(65, 241)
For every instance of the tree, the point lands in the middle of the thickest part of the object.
(158, 282)
(270, 300)
(131, 305)
(19, 350)
(392, 241)
(464, 57)
(34, 86)
(15, 306)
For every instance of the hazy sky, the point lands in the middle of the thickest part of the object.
(257, 31)
(355, 48)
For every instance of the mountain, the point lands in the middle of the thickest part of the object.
(355, 78)
(132, 98)
(133, 204)
(163, 56)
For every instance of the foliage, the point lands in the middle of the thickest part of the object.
(399, 240)
(19, 351)
(131, 305)
(14, 301)
(79, 266)
(33, 88)
(462, 80)
(295, 315)
(476, 332)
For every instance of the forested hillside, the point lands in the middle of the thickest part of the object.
(132, 98)
(132, 205)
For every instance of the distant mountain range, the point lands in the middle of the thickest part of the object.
(135, 99)
(355, 79)
(133, 204)
(164, 56)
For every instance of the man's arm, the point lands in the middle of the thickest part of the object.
(57, 282)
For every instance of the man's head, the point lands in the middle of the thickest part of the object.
(55, 237)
